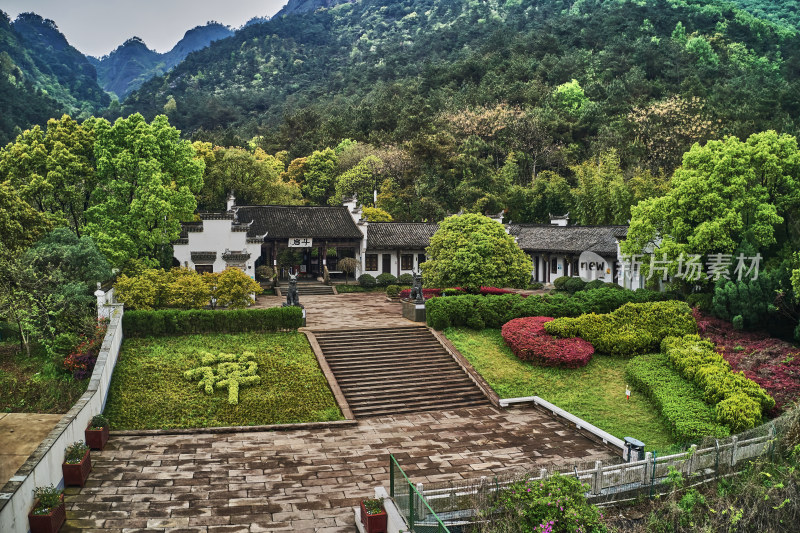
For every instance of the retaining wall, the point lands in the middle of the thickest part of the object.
(43, 467)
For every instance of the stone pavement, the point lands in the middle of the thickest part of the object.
(304, 480)
(347, 311)
(20, 435)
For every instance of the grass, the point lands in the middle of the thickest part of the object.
(595, 393)
(355, 287)
(148, 390)
(35, 384)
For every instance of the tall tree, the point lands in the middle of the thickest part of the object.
(319, 177)
(147, 180)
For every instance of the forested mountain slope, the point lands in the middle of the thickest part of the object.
(782, 11)
(132, 63)
(387, 71)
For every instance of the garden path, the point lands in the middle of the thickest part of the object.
(20, 435)
(304, 480)
(347, 311)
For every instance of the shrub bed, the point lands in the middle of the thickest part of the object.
(433, 293)
(679, 401)
(174, 322)
(630, 330)
(530, 342)
(739, 401)
(772, 363)
(493, 311)
(386, 279)
(367, 281)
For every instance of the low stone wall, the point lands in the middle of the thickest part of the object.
(43, 467)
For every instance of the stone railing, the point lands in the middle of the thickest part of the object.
(43, 467)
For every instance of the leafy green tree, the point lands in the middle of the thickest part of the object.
(147, 180)
(376, 214)
(144, 291)
(187, 289)
(550, 194)
(319, 177)
(473, 250)
(725, 194)
(601, 195)
(361, 180)
(20, 224)
(348, 265)
(254, 178)
(570, 97)
(53, 170)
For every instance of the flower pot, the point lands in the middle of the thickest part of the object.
(48, 523)
(96, 438)
(374, 523)
(75, 475)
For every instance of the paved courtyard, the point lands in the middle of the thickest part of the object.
(304, 480)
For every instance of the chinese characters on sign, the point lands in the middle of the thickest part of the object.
(690, 267)
(300, 242)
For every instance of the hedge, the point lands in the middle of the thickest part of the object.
(386, 279)
(176, 322)
(491, 311)
(680, 402)
(633, 329)
(367, 281)
(739, 401)
(530, 342)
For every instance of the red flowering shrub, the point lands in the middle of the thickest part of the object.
(772, 363)
(427, 293)
(82, 358)
(530, 342)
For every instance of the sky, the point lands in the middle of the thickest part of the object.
(96, 27)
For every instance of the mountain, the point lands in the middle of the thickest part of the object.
(132, 63)
(294, 7)
(42, 76)
(388, 71)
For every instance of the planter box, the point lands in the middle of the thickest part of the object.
(374, 523)
(48, 523)
(75, 475)
(413, 311)
(96, 438)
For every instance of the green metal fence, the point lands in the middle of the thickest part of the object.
(418, 514)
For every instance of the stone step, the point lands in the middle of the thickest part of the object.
(396, 370)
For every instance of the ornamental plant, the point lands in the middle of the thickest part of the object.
(99, 422)
(630, 330)
(73, 454)
(739, 401)
(81, 359)
(46, 499)
(557, 503)
(529, 341)
(373, 506)
(231, 372)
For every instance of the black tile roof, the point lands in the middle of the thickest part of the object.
(283, 222)
(568, 239)
(400, 235)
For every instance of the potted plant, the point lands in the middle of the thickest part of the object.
(49, 512)
(77, 464)
(374, 516)
(96, 433)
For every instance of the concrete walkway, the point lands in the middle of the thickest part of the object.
(304, 480)
(347, 311)
(20, 435)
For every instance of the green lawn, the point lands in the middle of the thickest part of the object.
(148, 390)
(595, 393)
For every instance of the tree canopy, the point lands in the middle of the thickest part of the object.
(473, 250)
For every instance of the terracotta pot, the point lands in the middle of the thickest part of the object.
(96, 438)
(76, 474)
(48, 523)
(374, 523)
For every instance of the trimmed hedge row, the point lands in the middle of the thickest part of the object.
(480, 312)
(633, 329)
(176, 322)
(680, 402)
(530, 342)
(739, 401)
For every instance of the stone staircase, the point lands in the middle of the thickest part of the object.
(307, 288)
(396, 370)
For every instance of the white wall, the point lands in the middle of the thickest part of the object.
(217, 237)
(396, 261)
(16, 498)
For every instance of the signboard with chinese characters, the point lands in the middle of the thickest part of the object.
(300, 242)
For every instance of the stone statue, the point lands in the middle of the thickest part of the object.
(416, 289)
(292, 297)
